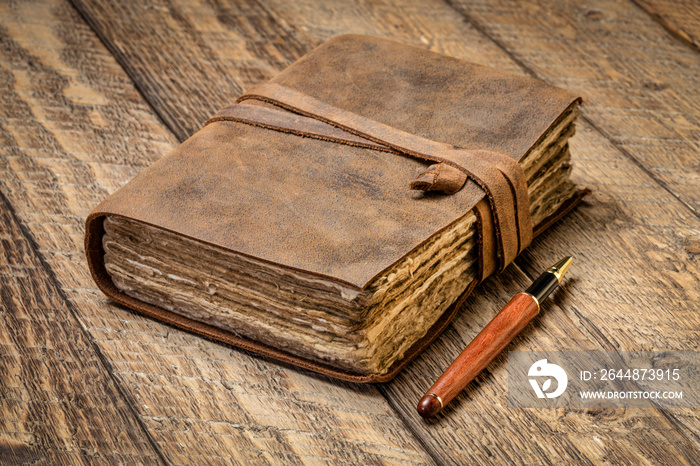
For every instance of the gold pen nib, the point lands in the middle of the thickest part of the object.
(560, 268)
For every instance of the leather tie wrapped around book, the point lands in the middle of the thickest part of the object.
(505, 226)
(293, 224)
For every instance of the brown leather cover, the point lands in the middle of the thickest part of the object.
(312, 172)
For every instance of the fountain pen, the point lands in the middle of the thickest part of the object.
(491, 340)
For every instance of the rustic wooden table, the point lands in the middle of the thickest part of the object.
(94, 91)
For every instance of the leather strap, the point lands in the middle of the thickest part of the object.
(291, 123)
(505, 226)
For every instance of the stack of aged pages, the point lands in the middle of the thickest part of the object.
(307, 244)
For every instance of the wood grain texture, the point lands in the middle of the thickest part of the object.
(634, 285)
(201, 66)
(639, 85)
(631, 222)
(58, 404)
(194, 57)
(681, 19)
(72, 130)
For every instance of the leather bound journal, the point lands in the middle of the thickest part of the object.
(337, 216)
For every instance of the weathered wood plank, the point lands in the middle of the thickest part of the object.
(640, 86)
(194, 57)
(638, 303)
(58, 404)
(629, 217)
(617, 54)
(198, 75)
(73, 129)
(681, 19)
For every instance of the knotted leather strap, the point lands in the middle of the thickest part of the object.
(505, 226)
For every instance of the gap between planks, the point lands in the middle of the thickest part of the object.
(682, 27)
(108, 45)
(478, 27)
(51, 277)
(525, 68)
(518, 261)
(104, 361)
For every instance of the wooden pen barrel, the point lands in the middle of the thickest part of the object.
(481, 351)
